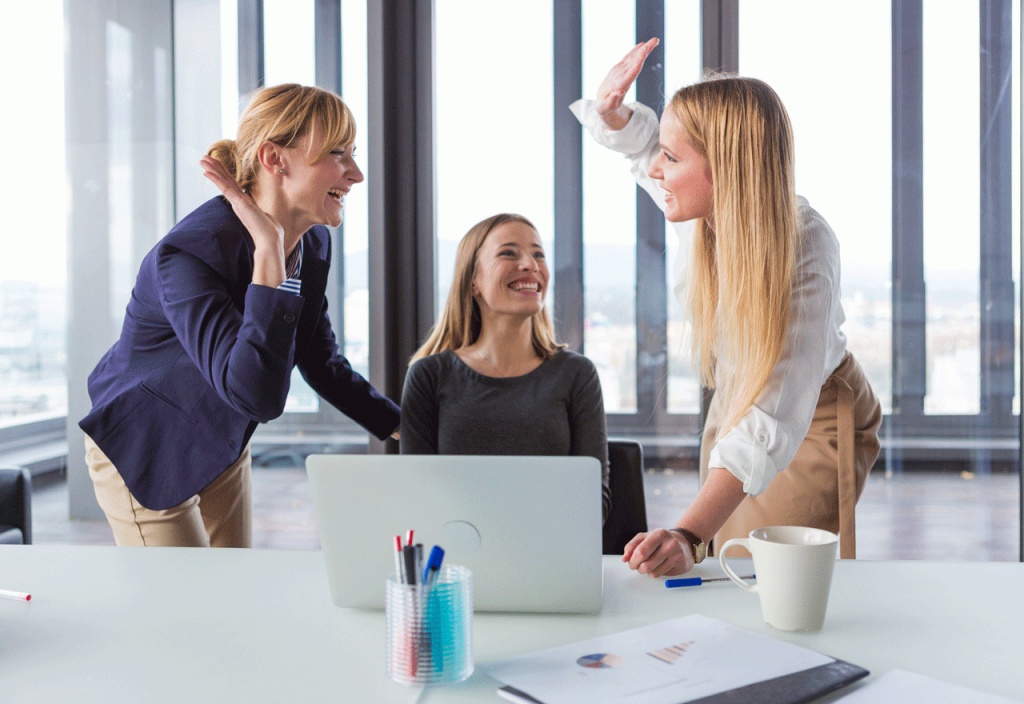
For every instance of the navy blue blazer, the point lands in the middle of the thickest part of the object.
(205, 355)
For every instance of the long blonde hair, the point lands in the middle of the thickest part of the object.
(741, 281)
(460, 321)
(284, 114)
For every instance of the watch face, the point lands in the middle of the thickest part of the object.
(700, 551)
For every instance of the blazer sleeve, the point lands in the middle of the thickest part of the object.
(420, 410)
(587, 424)
(245, 356)
(332, 377)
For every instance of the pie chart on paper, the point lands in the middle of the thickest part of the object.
(599, 661)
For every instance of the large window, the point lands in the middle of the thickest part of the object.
(839, 104)
(609, 221)
(952, 207)
(33, 256)
(682, 67)
(356, 228)
(493, 143)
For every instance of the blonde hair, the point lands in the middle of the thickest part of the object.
(460, 321)
(284, 114)
(741, 279)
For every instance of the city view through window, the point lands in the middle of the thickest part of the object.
(491, 160)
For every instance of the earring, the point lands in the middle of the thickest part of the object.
(280, 171)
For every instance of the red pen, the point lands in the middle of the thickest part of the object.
(20, 596)
(398, 559)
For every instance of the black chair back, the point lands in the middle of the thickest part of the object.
(15, 506)
(628, 515)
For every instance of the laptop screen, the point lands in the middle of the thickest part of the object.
(528, 528)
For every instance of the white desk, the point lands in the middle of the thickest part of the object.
(191, 625)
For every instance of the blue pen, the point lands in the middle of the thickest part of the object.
(697, 581)
(433, 564)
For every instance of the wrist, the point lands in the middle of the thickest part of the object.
(617, 119)
(698, 548)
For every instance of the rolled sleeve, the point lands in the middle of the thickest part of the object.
(746, 450)
(636, 137)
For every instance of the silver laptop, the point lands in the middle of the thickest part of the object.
(529, 528)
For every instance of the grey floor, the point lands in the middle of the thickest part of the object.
(918, 516)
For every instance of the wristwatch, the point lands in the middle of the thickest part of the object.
(697, 546)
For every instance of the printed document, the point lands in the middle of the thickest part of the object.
(674, 661)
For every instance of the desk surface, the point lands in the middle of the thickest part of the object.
(178, 624)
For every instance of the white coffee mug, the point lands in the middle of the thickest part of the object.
(794, 567)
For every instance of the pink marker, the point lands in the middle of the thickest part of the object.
(20, 596)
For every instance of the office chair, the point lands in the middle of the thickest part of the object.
(628, 515)
(15, 506)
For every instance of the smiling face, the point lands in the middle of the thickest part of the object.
(511, 274)
(316, 190)
(683, 173)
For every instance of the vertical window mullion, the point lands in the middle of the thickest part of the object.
(651, 286)
(251, 68)
(908, 286)
(997, 305)
(568, 86)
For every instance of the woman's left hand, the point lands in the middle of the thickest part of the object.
(658, 553)
(265, 230)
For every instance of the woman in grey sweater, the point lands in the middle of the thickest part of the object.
(490, 378)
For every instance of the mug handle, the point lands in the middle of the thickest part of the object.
(744, 542)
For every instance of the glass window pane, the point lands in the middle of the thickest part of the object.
(952, 207)
(289, 57)
(230, 107)
(682, 67)
(288, 46)
(609, 220)
(33, 257)
(494, 142)
(844, 151)
(356, 232)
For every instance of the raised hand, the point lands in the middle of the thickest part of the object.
(612, 90)
(267, 233)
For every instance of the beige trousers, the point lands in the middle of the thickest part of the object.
(822, 484)
(219, 516)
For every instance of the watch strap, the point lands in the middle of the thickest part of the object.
(697, 547)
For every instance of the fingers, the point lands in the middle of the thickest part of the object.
(627, 552)
(634, 60)
(220, 177)
(659, 554)
(622, 75)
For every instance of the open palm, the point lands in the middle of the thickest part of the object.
(613, 88)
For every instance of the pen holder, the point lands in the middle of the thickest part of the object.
(430, 628)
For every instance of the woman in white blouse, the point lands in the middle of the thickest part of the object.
(792, 430)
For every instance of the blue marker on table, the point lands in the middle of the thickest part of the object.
(697, 581)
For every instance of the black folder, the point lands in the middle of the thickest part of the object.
(796, 688)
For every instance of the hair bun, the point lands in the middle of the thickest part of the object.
(226, 152)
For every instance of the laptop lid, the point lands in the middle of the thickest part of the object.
(529, 528)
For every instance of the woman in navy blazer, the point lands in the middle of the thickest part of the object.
(223, 308)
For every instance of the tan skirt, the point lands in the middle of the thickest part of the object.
(821, 485)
